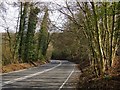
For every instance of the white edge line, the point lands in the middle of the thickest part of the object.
(66, 80)
(31, 75)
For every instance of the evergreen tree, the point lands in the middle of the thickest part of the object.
(43, 37)
(22, 27)
(29, 52)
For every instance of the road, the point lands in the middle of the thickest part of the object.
(56, 75)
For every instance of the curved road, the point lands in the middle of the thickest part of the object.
(56, 75)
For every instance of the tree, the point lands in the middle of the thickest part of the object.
(29, 52)
(96, 22)
(43, 39)
(19, 47)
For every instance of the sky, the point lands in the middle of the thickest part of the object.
(11, 15)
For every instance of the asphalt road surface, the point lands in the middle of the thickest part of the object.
(56, 75)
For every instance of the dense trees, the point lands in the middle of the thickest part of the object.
(97, 25)
(27, 44)
(100, 22)
(91, 32)
(33, 50)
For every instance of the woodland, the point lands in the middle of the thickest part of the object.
(89, 36)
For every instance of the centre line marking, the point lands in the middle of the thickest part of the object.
(31, 75)
(66, 79)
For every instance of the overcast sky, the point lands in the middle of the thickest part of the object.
(12, 14)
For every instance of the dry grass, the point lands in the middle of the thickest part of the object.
(14, 67)
(110, 81)
(19, 66)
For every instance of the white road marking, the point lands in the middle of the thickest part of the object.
(31, 75)
(66, 79)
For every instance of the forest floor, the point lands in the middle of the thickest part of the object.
(111, 81)
(20, 66)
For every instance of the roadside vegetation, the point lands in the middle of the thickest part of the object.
(90, 37)
(27, 45)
